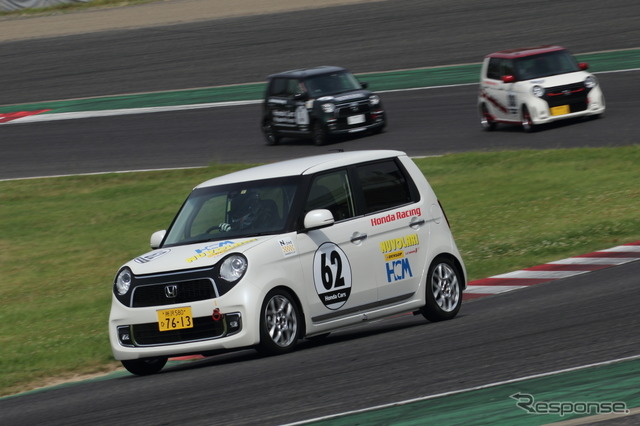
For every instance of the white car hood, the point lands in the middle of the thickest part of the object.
(191, 256)
(559, 80)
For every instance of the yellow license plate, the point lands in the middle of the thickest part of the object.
(560, 110)
(175, 318)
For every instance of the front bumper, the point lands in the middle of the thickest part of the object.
(134, 332)
(594, 104)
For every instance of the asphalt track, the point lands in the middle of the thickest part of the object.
(570, 322)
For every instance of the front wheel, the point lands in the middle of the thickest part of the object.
(270, 134)
(527, 122)
(444, 291)
(280, 323)
(486, 119)
(144, 366)
(319, 134)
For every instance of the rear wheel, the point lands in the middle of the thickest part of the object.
(527, 122)
(280, 323)
(144, 366)
(270, 134)
(486, 119)
(444, 290)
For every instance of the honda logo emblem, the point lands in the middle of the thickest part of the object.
(171, 291)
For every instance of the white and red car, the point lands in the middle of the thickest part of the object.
(269, 255)
(536, 85)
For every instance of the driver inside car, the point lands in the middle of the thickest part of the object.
(247, 212)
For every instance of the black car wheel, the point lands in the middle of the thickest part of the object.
(444, 290)
(486, 120)
(527, 122)
(270, 134)
(319, 134)
(280, 323)
(144, 366)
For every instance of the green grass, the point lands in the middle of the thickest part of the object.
(72, 7)
(62, 239)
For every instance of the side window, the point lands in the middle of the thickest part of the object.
(278, 87)
(384, 186)
(507, 68)
(493, 69)
(294, 87)
(331, 191)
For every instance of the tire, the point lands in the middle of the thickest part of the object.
(280, 323)
(527, 122)
(144, 366)
(318, 134)
(270, 134)
(444, 291)
(486, 120)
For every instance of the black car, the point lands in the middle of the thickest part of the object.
(318, 103)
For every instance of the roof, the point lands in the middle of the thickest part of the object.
(306, 72)
(302, 166)
(525, 51)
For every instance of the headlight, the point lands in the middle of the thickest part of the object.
(233, 268)
(537, 91)
(328, 108)
(123, 281)
(374, 100)
(590, 82)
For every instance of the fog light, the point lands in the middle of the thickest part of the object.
(124, 335)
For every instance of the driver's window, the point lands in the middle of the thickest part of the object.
(331, 191)
(211, 213)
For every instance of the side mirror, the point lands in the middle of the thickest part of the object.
(319, 218)
(156, 239)
(509, 78)
(364, 85)
(302, 96)
(583, 66)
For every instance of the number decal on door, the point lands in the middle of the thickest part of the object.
(332, 275)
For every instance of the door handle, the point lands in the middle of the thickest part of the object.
(358, 237)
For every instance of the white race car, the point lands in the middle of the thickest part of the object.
(266, 256)
(534, 86)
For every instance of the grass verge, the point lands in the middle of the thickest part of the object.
(62, 239)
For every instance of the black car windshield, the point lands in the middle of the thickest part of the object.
(331, 83)
(545, 65)
(232, 211)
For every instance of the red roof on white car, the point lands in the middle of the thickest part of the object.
(525, 51)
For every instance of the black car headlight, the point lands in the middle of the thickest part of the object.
(328, 107)
(230, 270)
(537, 91)
(123, 281)
(374, 100)
(590, 82)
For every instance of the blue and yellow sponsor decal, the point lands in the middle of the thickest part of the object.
(217, 249)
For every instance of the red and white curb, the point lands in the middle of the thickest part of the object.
(553, 270)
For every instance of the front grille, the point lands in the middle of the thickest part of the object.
(185, 292)
(575, 95)
(203, 328)
(350, 109)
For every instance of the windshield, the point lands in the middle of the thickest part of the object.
(233, 211)
(545, 64)
(331, 84)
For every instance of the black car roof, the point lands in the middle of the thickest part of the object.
(307, 72)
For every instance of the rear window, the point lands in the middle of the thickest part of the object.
(384, 186)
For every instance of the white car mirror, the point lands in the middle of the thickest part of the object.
(318, 219)
(156, 239)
